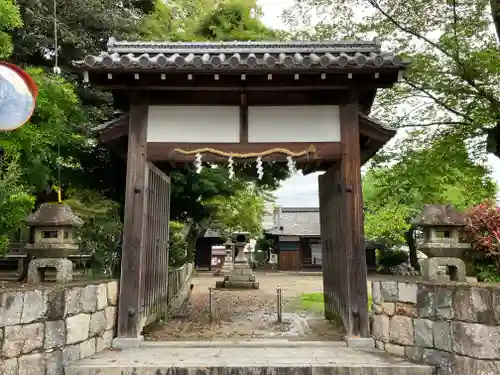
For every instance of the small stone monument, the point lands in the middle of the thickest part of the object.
(241, 276)
(228, 266)
(54, 242)
(441, 226)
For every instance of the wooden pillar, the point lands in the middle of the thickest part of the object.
(243, 118)
(334, 227)
(134, 231)
(350, 170)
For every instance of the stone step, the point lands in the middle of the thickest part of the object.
(185, 360)
(248, 343)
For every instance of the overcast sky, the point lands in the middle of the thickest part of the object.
(302, 191)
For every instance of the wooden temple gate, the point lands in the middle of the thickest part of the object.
(146, 234)
(303, 104)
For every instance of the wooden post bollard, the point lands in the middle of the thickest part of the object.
(211, 304)
(279, 303)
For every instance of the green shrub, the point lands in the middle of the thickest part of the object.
(387, 259)
(101, 236)
(177, 245)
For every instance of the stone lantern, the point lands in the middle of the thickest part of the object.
(54, 226)
(241, 276)
(227, 266)
(441, 226)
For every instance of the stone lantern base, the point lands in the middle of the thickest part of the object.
(227, 266)
(456, 267)
(241, 276)
(38, 267)
(238, 279)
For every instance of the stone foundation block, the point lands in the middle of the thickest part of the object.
(37, 267)
(231, 284)
(360, 342)
(430, 267)
(401, 331)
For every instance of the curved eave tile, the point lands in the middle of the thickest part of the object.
(240, 61)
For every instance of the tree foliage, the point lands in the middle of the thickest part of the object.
(449, 95)
(174, 20)
(84, 27)
(235, 20)
(16, 203)
(57, 148)
(178, 247)
(451, 87)
(483, 231)
(441, 172)
(9, 20)
(47, 142)
(239, 212)
(187, 20)
(100, 237)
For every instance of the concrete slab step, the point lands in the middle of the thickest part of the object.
(250, 343)
(327, 360)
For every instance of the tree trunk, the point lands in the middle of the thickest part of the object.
(495, 13)
(192, 236)
(412, 246)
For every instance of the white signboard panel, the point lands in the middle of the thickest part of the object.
(194, 124)
(294, 124)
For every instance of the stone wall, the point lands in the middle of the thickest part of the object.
(43, 329)
(453, 326)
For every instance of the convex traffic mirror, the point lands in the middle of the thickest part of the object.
(18, 94)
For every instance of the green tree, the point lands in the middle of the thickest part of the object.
(449, 93)
(178, 247)
(235, 20)
(199, 200)
(45, 144)
(242, 211)
(187, 20)
(441, 172)
(84, 27)
(16, 202)
(9, 20)
(451, 87)
(101, 235)
(174, 20)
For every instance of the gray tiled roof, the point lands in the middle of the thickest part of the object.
(439, 215)
(117, 121)
(240, 55)
(297, 222)
(212, 233)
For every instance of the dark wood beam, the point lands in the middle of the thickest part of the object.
(244, 118)
(358, 80)
(134, 231)
(325, 151)
(350, 173)
(260, 98)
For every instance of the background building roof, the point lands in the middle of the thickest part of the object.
(296, 221)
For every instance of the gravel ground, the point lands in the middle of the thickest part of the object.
(241, 314)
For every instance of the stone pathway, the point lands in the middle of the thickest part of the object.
(307, 358)
(249, 313)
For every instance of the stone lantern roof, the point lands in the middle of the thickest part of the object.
(54, 214)
(439, 215)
